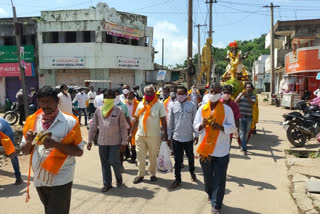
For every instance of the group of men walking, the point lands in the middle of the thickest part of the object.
(131, 129)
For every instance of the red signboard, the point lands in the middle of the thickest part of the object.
(12, 70)
(305, 60)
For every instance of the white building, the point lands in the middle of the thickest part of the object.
(259, 71)
(98, 43)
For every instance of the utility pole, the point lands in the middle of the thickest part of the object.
(162, 52)
(210, 2)
(17, 30)
(272, 73)
(190, 28)
(199, 53)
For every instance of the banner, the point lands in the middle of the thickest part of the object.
(117, 30)
(12, 69)
(8, 54)
(161, 75)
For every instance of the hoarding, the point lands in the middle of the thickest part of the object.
(8, 54)
(13, 70)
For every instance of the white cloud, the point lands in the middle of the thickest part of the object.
(175, 43)
(3, 13)
(219, 44)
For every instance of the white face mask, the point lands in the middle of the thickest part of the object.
(214, 97)
(226, 96)
(194, 90)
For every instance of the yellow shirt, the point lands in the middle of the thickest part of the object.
(153, 122)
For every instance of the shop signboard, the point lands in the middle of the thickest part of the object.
(129, 62)
(117, 30)
(8, 54)
(13, 70)
(67, 62)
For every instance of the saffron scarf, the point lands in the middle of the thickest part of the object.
(147, 109)
(52, 164)
(166, 103)
(135, 105)
(209, 141)
(7, 144)
(198, 96)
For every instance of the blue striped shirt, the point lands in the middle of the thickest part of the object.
(244, 105)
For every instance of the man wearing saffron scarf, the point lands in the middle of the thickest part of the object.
(53, 159)
(113, 134)
(148, 115)
(215, 122)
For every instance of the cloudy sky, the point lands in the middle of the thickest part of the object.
(232, 19)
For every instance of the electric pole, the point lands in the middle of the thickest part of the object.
(162, 52)
(190, 28)
(199, 53)
(18, 31)
(272, 73)
(210, 2)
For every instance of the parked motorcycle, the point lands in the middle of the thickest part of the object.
(12, 116)
(300, 128)
(276, 100)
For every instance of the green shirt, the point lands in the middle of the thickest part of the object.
(124, 108)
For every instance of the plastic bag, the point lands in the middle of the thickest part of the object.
(164, 164)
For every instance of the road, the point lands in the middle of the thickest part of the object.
(255, 184)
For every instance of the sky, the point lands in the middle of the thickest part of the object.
(232, 19)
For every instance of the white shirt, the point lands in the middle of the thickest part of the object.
(223, 142)
(98, 101)
(65, 103)
(91, 96)
(61, 126)
(122, 98)
(82, 99)
(194, 98)
(130, 108)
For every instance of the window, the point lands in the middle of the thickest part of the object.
(70, 37)
(50, 37)
(9, 40)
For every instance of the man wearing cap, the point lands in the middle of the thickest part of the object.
(125, 91)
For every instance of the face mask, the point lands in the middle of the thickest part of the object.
(117, 100)
(214, 97)
(149, 98)
(107, 106)
(194, 90)
(65, 91)
(173, 95)
(130, 101)
(181, 98)
(226, 96)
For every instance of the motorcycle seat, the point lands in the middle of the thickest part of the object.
(316, 115)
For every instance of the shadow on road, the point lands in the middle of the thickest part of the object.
(11, 190)
(242, 182)
(233, 210)
(123, 192)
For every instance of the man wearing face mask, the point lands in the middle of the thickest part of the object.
(112, 138)
(147, 119)
(65, 102)
(226, 99)
(246, 100)
(125, 91)
(194, 95)
(132, 104)
(215, 122)
(180, 129)
(82, 98)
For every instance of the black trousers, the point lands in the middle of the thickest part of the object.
(56, 199)
(178, 150)
(22, 115)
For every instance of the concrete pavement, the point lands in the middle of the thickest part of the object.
(256, 184)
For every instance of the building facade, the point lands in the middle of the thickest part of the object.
(98, 43)
(297, 45)
(10, 81)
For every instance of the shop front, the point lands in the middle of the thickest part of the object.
(302, 67)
